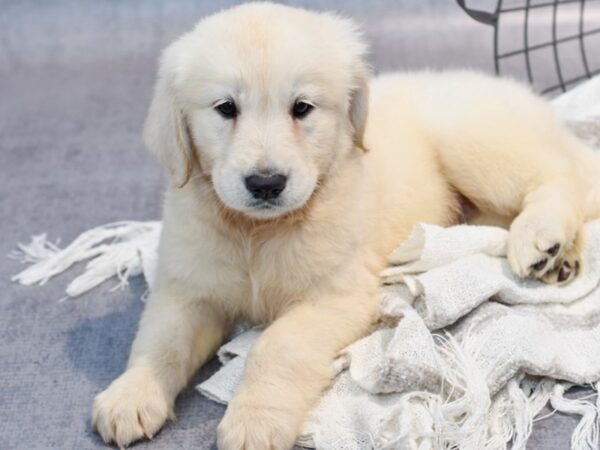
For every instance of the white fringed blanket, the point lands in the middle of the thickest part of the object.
(469, 364)
(468, 357)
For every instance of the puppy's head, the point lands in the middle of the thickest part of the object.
(264, 101)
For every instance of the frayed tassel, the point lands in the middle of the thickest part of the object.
(115, 249)
(456, 418)
(538, 392)
(459, 416)
(521, 414)
(37, 250)
(500, 419)
(465, 415)
(586, 433)
(523, 398)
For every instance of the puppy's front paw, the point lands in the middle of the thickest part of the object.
(134, 406)
(542, 250)
(257, 426)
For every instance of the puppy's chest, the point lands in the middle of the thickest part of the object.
(278, 273)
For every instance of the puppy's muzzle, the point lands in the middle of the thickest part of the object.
(266, 187)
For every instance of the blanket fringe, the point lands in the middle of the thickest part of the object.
(586, 433)
(114, 249)
(522, 420)
(460, 416)
(467, 417)
(463, 416)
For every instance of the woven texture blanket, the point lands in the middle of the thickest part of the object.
(451, 370)
(466, 355)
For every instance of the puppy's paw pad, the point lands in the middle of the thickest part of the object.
(133, 407)
(540, 265)
(553, 251)
(564, 272)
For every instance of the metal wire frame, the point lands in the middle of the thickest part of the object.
(493, 19)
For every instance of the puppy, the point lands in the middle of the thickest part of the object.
(291, 184)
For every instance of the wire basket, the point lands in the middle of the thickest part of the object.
(552, 44)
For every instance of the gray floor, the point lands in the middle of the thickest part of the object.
(75, 81)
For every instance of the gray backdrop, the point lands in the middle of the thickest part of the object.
(75, 82)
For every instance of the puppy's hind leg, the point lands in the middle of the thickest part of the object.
(545, 238)
(503, 148)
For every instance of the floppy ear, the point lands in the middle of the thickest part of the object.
(359, 107)
(166, 133)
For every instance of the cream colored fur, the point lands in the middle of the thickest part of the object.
(309, 268)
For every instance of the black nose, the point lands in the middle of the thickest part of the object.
(266, 187)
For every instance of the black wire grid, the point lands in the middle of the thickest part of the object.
(526, 8)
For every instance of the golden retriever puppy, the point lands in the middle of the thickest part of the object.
(291, 184)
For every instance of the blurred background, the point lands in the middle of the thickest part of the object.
(76, 79)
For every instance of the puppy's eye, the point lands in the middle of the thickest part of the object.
(227, 109)
(301, 109)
